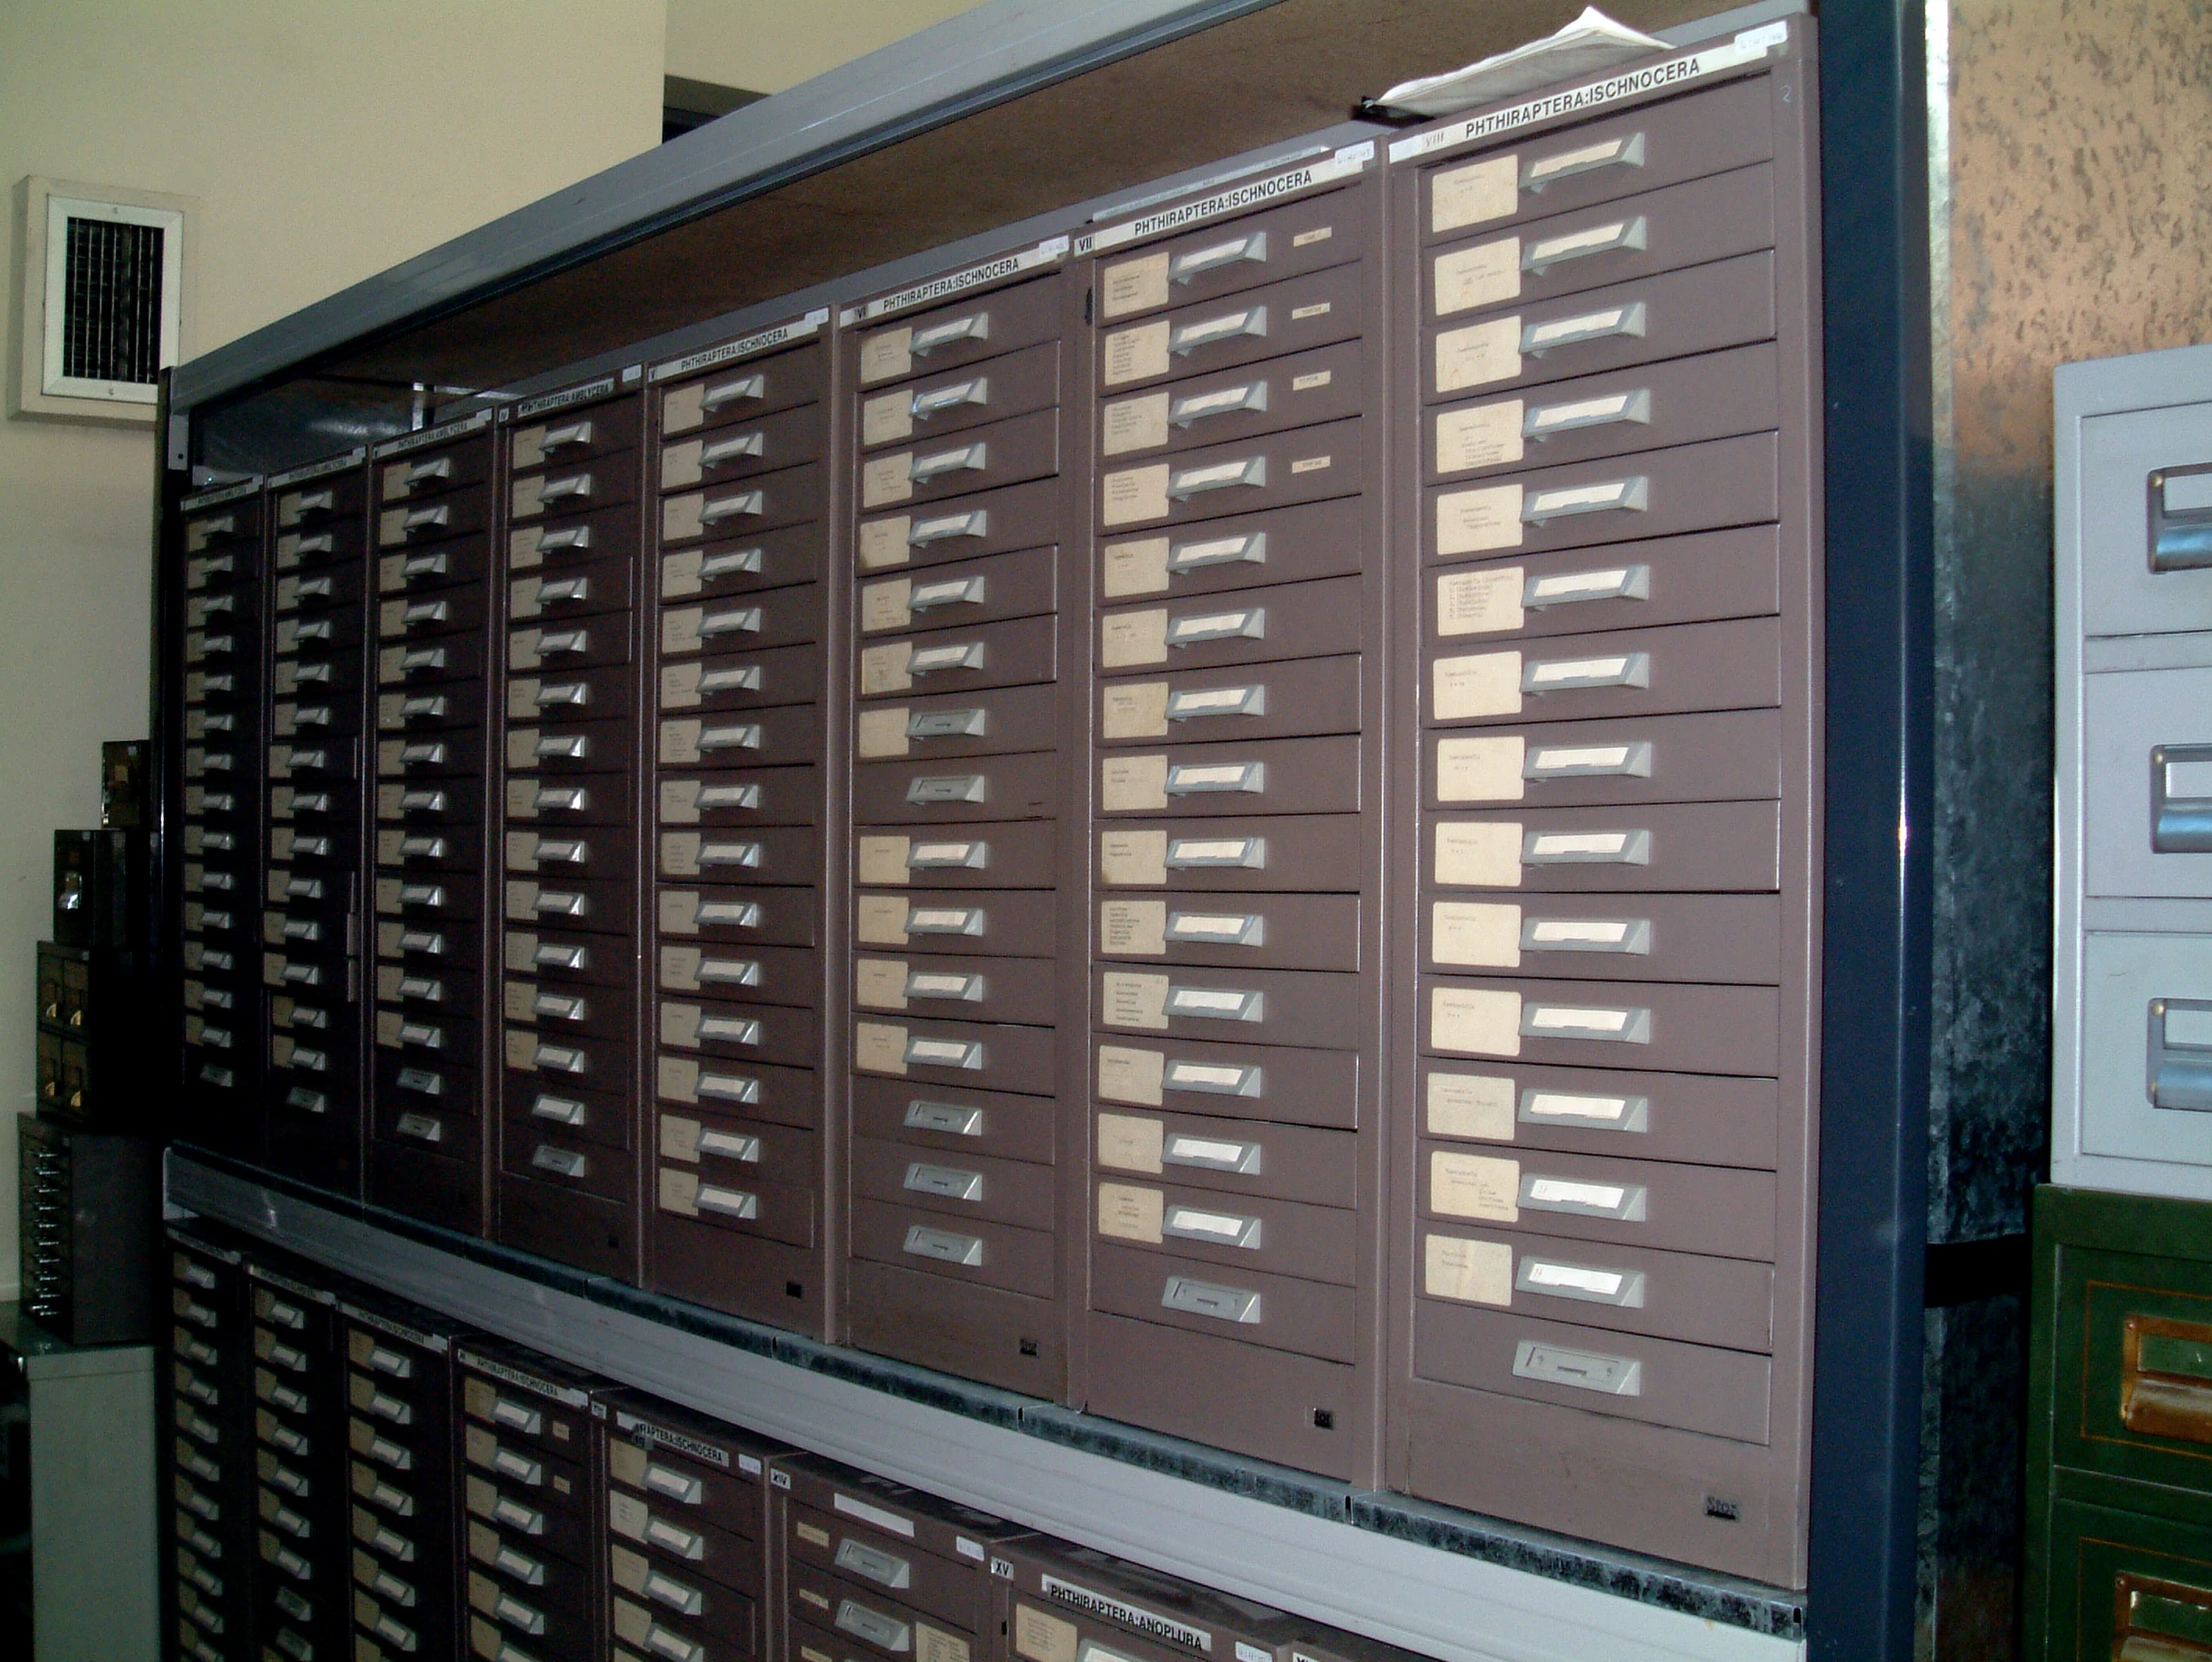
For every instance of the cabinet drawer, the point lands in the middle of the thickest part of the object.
(1320, 775)
(593, 1063)
(1258, 1082)
(971, 989)
(1015, 652)
(430, 706)
(1649, 936)
(576, 695)
(1692, 1029)
(608, 853)
(316, 721)
(1239, 1234)
(1292, 620)
(777, 734)
(716, 1029)
(766, 854)
(433, 471)
(774, 917)
(962, 593)
(568, 488)
(452, 565)
(1002, 923)
(1289, 316)
(957, 789)
(1303, 236)
(787, 496)
(676, 1602)
(756, 796)
(761, 1091)
(778, 675)
(770, 617)
(759, 445)
(320, 502)
(1292, 544)
(569, 1161)
(455, 657)
(1290, 852)
(321, 675)
(459, 514)
(899, 1573)
(739, 391)
(430, 896)
(446, 1125)
(561, 647)
(1234, 1157)
(769, 559)
(572, 434)
(757, 975)
(992, 389)
(323, 590)
(1722, 1211)
(600, 907)
(570, 747)
(423, 849)
(1002, 321)
(1709, 1121)
(1245, 1005)
(331, 544)
(233, 523)
(551, 551)
(965, 1249)
(1685, 579)
(962, 1185)
(955, 724)
(1273, 700)
(568, 800)
(1730, 755)
(565, 591)
(1019, 855)
(1725, 847)
(728, 1142)
(1274, 931)
(995, 1057)
(983, 458)
(556, 1008)
(1223, 406)
(2126, 1585)
(990, 522)
(1281, 1312)
(739, 1204)
(1272, 470)
(562, 958)
(595, 1115)
(455, 802)
(995, 1123)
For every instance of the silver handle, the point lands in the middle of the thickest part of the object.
(1186, 338)
(1210, 1298)
(1181, 268)
(1539, 257)
(2179, 1055)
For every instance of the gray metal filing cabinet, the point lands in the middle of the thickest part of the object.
(2131, 1040)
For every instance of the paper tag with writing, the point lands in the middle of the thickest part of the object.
(1129, 1213)
(878, 1047)
(1128, 1000)
(1474, 1020)
(882, 732)
(883, 669)
(1482, 684)
(1132, 928)
(879, 983)
(1480, 602)
(1130, 1141)
(886, 353)
(1481, 770)
(677, 1079)
(1474, 521)
(888, 479)
(1133, 424)
(679, 1137)
(1131, 640)
(884, 605)
(1137, 354)
(1133, 286)
(1130, 1075)
(1130, 569)
(1486, 436)
(1133, 710)
(680, 1192)
(1131, 784)
(879, 920)
(1480, 276)
(883, 859)
(887, 419)
(1474, 1272)
(1474, 1186)
(1479, 355)
(1475, 934)
(1481, 855)
(1038, 1636)
(883, 542)
(932, 1644)
(1470, 1105)
(680, 516)
(1135, 857)
(1476, 194)
(1134, 494)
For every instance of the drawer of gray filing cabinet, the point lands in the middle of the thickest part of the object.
(429, 895)
(957, 789)
(558, 648)
(339, 585)
(764, 854)
(1289, 620)
(1692, 487)
(1285, 852)
(2125, 517)
(431, 471)
(562, 748)
(554, 548)
(339, 543)
(760, 1091)
(757, 975)
(768, 560)
(2146, 1006)
(1290, 775)
(729, 1142)
(1016, 855)
(961, 592)
(738, 1202)
(428, 1036)
(602, 908)
(233, 523)
(1735, 938)
(781, 440)
(967, 1249)
(996, 1057)
(742, 623)
(236, 608)
(1659, 231)
(1292, 544)
(960, 724)
(1238, 1156)
(563, 800)
(1303, 236)
(741, 1032)
(739, 392)
(1661, 144)
(1678, 579)
(572, 487)
(1282, 1313)
(1258, 1082)
(2146, 728)
(566, 435)
(569, 1161)
(445, 1124)
(1726, 1212)
(1010, 654)
(1685, 401)
(1722, 1393)
(1288, 316)
(1676, 1026)
(567, 592)
(772, 916)
(1002, 923)
(962, 1185)
(444, 566)
(753, 796)
(989, 522)
(410, 523)
(990, 389)
(932, 469)
(438, 704)
(1707, 1120)
(1326, 384)
(777, 734)
(602, 850)
(1723, 756)
(578, 695)
(971, 989)
(333, 498)
(1270, 931)
(1631, 1290)
(323, 674)
(402, 849)
(1270, 471)
(984, 325)
(1240, 1233)
(1285, 1007)
(1235, 701)
(1718, 847)
(556, 1009)
(564, 957)
(1730, 303)
(997, 1123)
(776, 676)
(787, 496)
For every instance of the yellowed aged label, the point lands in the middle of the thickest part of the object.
(884, 605)
(886, 420)
(1480, 276)
(684, 408)
(680, 516)
(1480, 769)
(883, 669)
(1037, 1635)
(1476, 194)
(879, 983)
(1485, 601)
(1127, 1075)
(888, 479)
(1479, 355)
(1132, 569)
(1486, 436)
(883, 542)
(883, 859)
(680, 1192)
(1476, 521)
(1134, 494)
(878, 1047)
(1483, 855)
(679, 1139)
(1127, 999)
(1133, 286)
(1133, 710)
(1482, 684)
(1473, 1272)
(1134, 857)
(1474, 1186)
(1133, 424)
(933, 1644)
(1132, 928)
(1137, 354)
(1130, 1141)
(879, 920)
(882, 732)
(1470, 1105)
(1127, 1211)
(886, 353)
(1477, 1021)
(1131, 784)
(1132, 640)
(1475, 934)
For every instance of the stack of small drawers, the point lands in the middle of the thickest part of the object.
(300, 1596)
(875, 1571)
(959, 774)
(738, 1133)
(687, 1532)
(431, 532)
(567, 1165)
(208, 1511)
(219, 833)
(1236, 986)
(529, 1485)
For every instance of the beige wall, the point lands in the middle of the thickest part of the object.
(768, 45)
(326, 142)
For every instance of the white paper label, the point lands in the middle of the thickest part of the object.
(1478, 355)
(1485, 435)
(1480, 276)
(1470, 1105)
(1473, 1272)
(1473, 1186)
(1475, 934)
(1480, 602)
(1474, 521)
(1477, 1021)
(1484, 855)
(1476, 194)
(1480, 684)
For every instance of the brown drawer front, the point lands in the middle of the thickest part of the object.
(574, 434)
(1718, 847)
(1000, 923)
(557, 1010)
(984, 325)
(457, 514)
(716, 630)
(1588, 248)
(957, 790)
(1274, 931)
(718, 1622)
(1710, 1121)
(1289, 775)
(1729, 756)
(1725, 938)
(783, 439)
(554, 549)
(1291, 316)
(560, 1429)
(231, 524)
(741, 565)
(787, 497)
(994, 1122)
(921, 1580)
(336, 542)
(231, 568)
(733, 392)
(1289, 852)
(1273, 700)
(559, 647)
(445, 1089)
(445, 658)
(1693, 1029)
(983, 458)
(994, 522)
(787, 1095)
(606, 853)
(563, 803)
(570, 747)
(733, 916)
(1233, 1156)
(594, 1115)
(428, 896)
(579, 696)
(872, 1623)
(1647, 1202)
(454, 704)
(570, 488)
(715, 1028)
(751, 679)
(569, 1162)
(1325, 385)
(1009, 654)
(398, 852)
(964, 593)
(1258, 1082)
(953, 724)
(602, 908)
(726, 1145)
(341, 585)
(561, 1062)
(565, 591)
(1305, 236)
(333, 499)
(1685, 579)
(1261, 1007)
(1293, 620)
(780, 733)
(1722, 1393)
(737, 1202)
(1021, 854)
(1631, 1290)
(994, 1057)
(431, 471)
(966, 989)
(753, 796)
(1730, 303)
(966, 1250)
(1292, 544)
(770, 854)
(1277, 1237)
(1273, 471)
(759, 975)
(1281, 1312)
(959, 1185)
(935, 405)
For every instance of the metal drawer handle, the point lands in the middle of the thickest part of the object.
(943, 1246)
(948, 725)
(731, 913)
(750, 443)
(2180, 519)
(2166, 1378)
(424, 518)
(1539, 339)
(729, 854)
(1540, 171)
(1218, 929)
(551, 642)
(729, 796)
(1556, 1365)
(427, 704)
(1183, 268)
(568, 537)
(556, 491)
(523, 1469)
(561, 1110)
(946, 920)
(748, 737)
(573, 799)
(519, 1415)
(1212, 1154)
(1215, 1079)
(934, 660)
(1186, 338)
(307, 589)
(1630, 495)
(966, 458)
(1545, 421)
(1219, 475)
(922, 1051)
(560, 439)
(954, 591)
(1217, 1004)
(1588, 761)
(950, 787)
(1198, 778)
(731, 1030)
(1208, 853)
(951, 1118)
(1218, 550)
(515, 1613)
(1591, 1112)
(422, 472)
(1540, 256)
(730, 391)
(1210, 1298)
(729, 1088)
(1626, 935)
(1197, 407)
(1585, 848)
(685, 1543)
(424, 612)
(550, 694)
(563, 1007)
(1196, 630)
(940, 983)
(734, 621)
(1619, 582)
(731, 564)
(415, 848)
(885, 1569)
(730, 972)
(1552, 1279)
(946, 1182)
(676, 1595)
(1217, 1228)
(1604, 1025)
(422, 565)
(972, 856)
(1620, 1202)
(747, 502)
(565, 1059)
(976, 326)
(557, 589)
(743, 678)
(2179, 1063)
(729, 1144)
(313, 502)
(922, 532)
(950, 397)
(2181, 798)
(574, 747)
